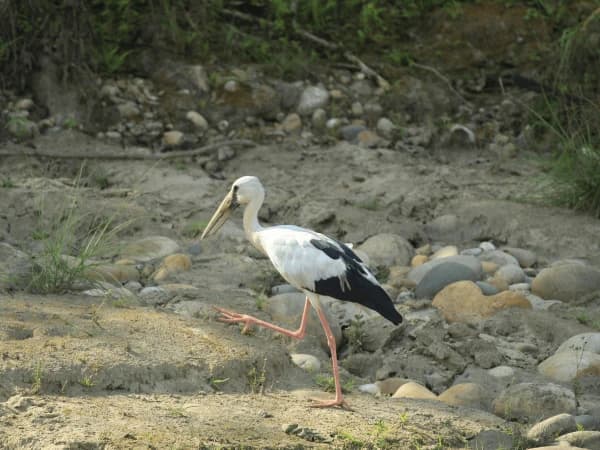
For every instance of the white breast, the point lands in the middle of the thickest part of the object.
(296, 259)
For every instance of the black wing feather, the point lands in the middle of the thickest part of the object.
(361, 289)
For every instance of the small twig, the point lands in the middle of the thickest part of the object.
(434, 71)
(131, 157)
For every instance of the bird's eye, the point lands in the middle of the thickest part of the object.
(235, 188)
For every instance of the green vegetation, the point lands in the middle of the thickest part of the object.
(356, 334)
(37, 378)
(70, 241)
(257, 378)
(327, 383)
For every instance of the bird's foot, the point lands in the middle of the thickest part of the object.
(336, 402)
(233, 317)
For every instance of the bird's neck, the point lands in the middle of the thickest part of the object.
(251, 225)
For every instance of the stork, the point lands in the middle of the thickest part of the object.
(312, 262)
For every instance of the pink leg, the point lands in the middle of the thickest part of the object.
(339, 398)
(248, 321)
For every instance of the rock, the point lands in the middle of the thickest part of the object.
(487, 288)
(314, 214)
(363, 365)
(173, 138)
(369, 388)
(417, 260)
(24, 104)
(443, 227)
(520, 287)
(445, 252)
(589, 342)
(112, 273)
(414, 390)
(312, 98)
(197, 120)
(545, 431)
(584, 439)
(498, 283)
(441, 276)
(390, 385)
(566, 282)
(373, 333)
(568, 365)
(368, 139)
(487, 246)
(155, 295)
(492, 440)
(128, 110)
(109, 290)
(419, 272)
(489, 267)
(463, 301)
(15, 267)
(22, 128)
(357, 109)
(534, 401)
(385, 128)
(319, 119)
(510, 273)
(387, 250)
(498, 257)
(172, 264)
(306, 362)
(225, 153)
(286, 311)
(471, 395)
(526, 258)
(292, 124)
(502, 372)
(149, 248)
(350, 133)
(346, 312)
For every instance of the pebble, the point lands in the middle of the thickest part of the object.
(417, 273)
(414, 390)
(368, 139)
(441, 276)
(489, 267)
(417, 260)
(173, 138)
(385, 127)
(519, 287)
(312, 98)
(319, 119)
(502, 372)
(112, 273)
(511, 273)
(463, 301)
(566, 282)
(492, 440)
(471, 395)
(498, 257)
(357, 109)
(350, 133)
(472, 251)
(526, 258)
(545, 431)
(487, 288)
(445, 252)
(283, 289)
(172, 264)
(487, 246)
(292, 124)
(534, 401)
(390, 385)
(24, 104)
(225, 153)
(197, 120)
(128, 110)
(306, 362)
(387, 249)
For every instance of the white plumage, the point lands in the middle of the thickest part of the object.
(310, 261)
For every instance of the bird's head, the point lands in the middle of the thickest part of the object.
(243, 191)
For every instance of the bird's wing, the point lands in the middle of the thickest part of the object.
(315, 262)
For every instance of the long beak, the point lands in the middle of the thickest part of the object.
(220, 216)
